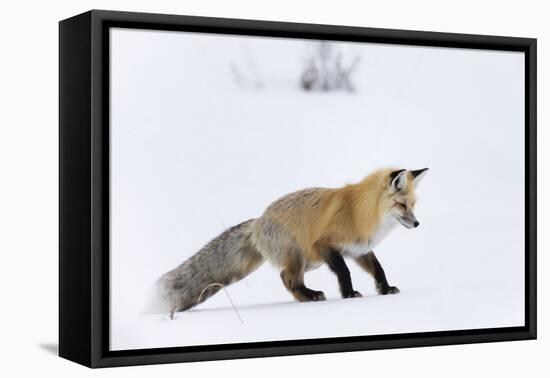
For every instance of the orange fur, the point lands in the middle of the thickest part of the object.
(339, 216)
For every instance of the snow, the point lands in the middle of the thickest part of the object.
(194, 152)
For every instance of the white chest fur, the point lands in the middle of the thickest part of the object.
(387, 224)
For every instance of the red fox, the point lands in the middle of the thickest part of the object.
(300, 232)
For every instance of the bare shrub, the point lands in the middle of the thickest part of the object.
(325, 70)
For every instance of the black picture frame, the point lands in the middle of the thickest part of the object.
(84, 188)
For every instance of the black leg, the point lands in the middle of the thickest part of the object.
(337, 264)
(370, 263)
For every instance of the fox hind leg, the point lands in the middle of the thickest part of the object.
(370, 263)
(292, 276)
(295, 285)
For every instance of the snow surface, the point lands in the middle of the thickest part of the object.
(193, 152)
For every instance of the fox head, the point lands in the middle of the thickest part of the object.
(401, 198)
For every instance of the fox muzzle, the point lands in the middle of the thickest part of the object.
(408, 221)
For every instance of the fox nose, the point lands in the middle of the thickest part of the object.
(416, 223)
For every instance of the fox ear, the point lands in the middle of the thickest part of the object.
(398, 180)
(418, 175)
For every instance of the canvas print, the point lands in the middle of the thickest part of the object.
(266, 189)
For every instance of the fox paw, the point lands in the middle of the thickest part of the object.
(315, 296)
(384, 290)
(352, 294)
(318, 296)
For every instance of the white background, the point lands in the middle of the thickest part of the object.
(192, 153)
(29, 187)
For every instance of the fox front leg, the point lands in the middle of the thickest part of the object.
(336, 263)
(370, 263)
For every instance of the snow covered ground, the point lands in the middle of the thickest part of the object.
(194, 151)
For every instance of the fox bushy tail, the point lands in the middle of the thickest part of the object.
(226, 259)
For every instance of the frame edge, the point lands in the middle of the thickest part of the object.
(75, 333)
(531, 182)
